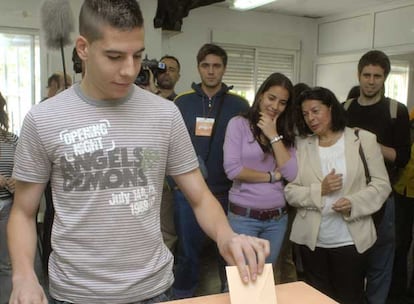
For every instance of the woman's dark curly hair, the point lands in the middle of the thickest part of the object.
(4, 118)
(285, 122)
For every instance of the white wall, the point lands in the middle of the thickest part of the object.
(343, 39)
(26, 14)
(196, 31)
(197, 27)
(330, 47)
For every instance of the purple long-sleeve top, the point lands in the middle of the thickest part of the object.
(242, 150)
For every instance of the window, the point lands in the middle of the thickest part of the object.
(19, 73)
(396, 85)
(248, 67)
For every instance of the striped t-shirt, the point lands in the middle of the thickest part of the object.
(7, 147)
(106, 161)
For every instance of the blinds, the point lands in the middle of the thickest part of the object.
(240, 71)
(248, 67)
(270, 62)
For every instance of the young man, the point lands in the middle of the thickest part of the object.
(105, 145)
(166, 81)
(206, 111)
(371, 111)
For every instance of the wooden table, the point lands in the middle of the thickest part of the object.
(290, 293)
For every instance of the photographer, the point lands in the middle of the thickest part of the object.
(166, 81)
(166, 72)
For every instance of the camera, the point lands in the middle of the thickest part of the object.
(147, 65)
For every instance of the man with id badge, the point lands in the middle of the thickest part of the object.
(206, 110)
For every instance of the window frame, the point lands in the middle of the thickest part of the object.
(18, 91)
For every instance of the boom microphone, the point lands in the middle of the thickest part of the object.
(57, 24)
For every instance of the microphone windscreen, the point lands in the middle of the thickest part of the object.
(57, 22)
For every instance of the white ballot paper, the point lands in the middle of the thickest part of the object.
(260, 291)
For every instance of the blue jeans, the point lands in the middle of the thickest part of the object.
(381, 257)
(164, 297)
(5, 264)
(272, 230)
(190, 244)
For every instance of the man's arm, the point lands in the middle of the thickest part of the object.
(21, 232)
(235, 249)
(388, 153)
(399, 153)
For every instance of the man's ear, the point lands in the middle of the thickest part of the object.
(82, 47)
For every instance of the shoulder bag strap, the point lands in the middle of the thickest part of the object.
(393, 108)
(364, 160)
(347, 103)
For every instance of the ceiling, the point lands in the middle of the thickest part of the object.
(315, 8)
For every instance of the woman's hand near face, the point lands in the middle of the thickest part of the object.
(268, 125)
(331, 183)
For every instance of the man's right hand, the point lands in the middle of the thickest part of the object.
(27, 291)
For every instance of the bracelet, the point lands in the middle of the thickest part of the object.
(272, 175)
(276, 139)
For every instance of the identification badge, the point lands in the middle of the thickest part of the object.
(204, 126)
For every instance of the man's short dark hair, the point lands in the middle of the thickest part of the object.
(375, 57)
(172, 58)
(211, 49)
(120, 14)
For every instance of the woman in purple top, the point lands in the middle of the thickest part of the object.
(259, 156)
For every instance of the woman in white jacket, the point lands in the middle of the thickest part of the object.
(334, 202)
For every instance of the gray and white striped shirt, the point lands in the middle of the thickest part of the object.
(106, 161)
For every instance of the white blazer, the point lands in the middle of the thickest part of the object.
(304, 193)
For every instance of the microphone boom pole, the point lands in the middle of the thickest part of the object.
(57, 22)
(62, 52)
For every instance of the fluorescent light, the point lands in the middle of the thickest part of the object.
(244, 5)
